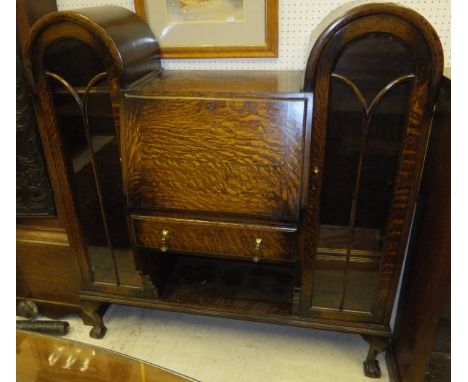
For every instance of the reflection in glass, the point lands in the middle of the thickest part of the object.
(84, 186)
(328, 282)
(363, 275)
(341, 156)
(41, 358)
(381, 160)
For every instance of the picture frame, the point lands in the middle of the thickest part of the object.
(212, 28)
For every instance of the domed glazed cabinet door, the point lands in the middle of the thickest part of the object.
(79, 61)
(374, 73)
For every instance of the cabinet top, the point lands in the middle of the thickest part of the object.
(202, 83)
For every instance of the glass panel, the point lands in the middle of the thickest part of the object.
(102, 222)
(381, 160)
(363, 145)
(328, 282)
(84, 187)
(341, 156)
(107, 158)
(74, 61)
(126, 267)
(374, 61)
(336, 237)
(363, 275)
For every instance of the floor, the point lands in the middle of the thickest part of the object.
(218, 350)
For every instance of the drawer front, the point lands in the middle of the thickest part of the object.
(215, 238)
(214, 155)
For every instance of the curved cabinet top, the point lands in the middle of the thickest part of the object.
(132, 47)
(347, 24)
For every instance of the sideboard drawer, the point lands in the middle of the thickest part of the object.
(233, 156)
(251, 241)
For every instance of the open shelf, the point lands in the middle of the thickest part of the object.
(234, 286)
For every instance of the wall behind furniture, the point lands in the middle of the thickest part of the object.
(297, 18)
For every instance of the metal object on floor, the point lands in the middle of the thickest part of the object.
(27, 309)
(58, 328)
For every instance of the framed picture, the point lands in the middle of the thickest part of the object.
(213, 28)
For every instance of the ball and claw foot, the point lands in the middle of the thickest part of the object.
(372, 368)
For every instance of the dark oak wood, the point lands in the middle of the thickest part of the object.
(230, 312)
(215, 238)
(227, 155)
(425, 292)
(45, 267)
(268, 196)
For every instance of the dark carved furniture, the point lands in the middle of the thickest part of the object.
(33, 190)
(283, 197)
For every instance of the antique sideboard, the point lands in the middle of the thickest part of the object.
(277, 196)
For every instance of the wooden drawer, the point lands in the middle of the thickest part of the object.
(223, 239)
(235, 156)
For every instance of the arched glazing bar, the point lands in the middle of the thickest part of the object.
(367, 111)
(82, 103)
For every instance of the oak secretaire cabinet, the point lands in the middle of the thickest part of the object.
(284, 197)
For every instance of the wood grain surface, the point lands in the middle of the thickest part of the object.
(234, 156)
(216, 238)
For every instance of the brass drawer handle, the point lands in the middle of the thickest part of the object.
(258, 247)
(164, 238)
